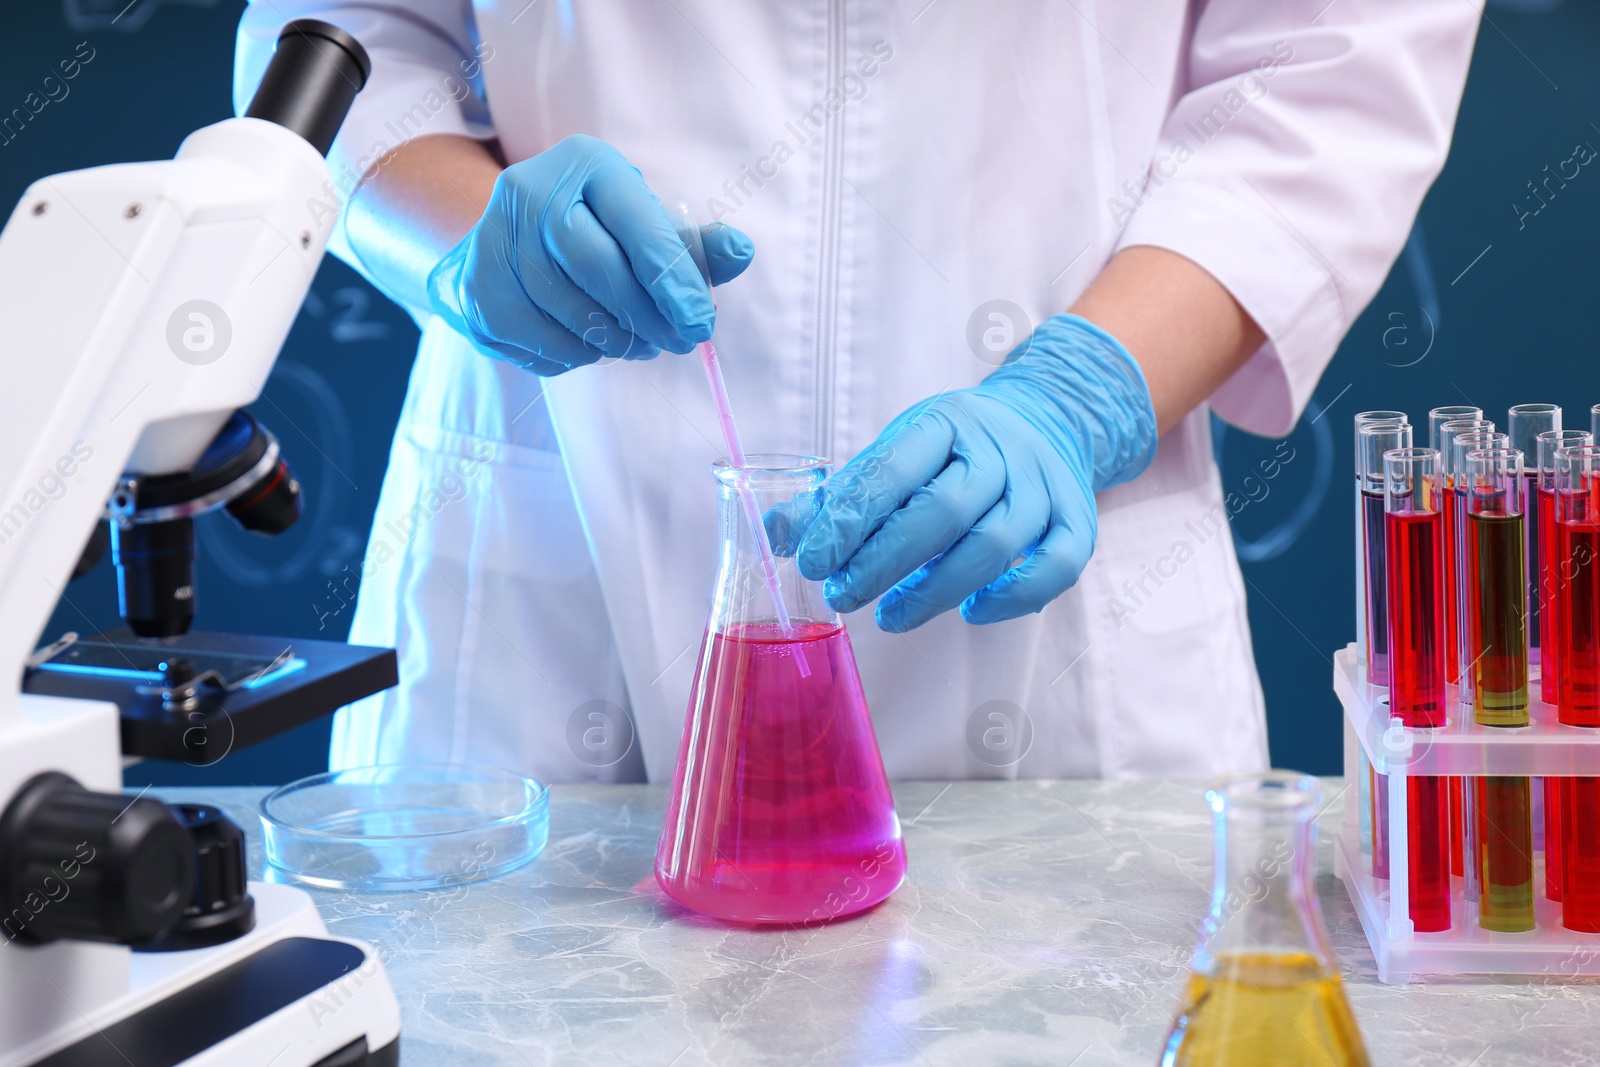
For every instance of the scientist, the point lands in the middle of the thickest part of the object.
(1157, 208)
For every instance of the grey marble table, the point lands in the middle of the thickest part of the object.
(1040, 923)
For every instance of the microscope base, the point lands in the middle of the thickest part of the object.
(285, 994)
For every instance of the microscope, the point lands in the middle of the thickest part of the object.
(144, 305)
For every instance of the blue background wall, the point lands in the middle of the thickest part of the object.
(1486, 306)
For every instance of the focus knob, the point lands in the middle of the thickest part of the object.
(90, 866)
(221, 908)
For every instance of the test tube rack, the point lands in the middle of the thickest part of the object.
(1459, 748)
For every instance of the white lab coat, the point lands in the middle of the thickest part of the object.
(544, 549)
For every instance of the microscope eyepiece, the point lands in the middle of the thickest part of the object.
(314, 75)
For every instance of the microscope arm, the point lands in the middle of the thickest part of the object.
(143, 304)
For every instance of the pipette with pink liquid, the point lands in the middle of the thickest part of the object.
(683, 221)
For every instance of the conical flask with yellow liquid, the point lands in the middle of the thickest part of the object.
(1264, 989)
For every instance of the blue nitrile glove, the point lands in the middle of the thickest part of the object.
(982, 497)
(574, 260)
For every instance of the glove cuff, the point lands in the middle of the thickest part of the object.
(1084, 390)
(443, 288)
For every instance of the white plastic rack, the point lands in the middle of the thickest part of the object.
(1460, 748)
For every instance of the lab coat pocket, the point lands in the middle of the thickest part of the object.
(1184, 700)
(494, 605)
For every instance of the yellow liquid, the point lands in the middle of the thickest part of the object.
(1265, 1010)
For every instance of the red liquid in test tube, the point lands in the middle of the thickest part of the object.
(1447, 506)
(1550, 656)
(1552, 838)
(1454, 513)
(1457, 829)
(1428, 850)
(1417, 648)
(1377, 591)
(1578, 613)
(1417, 643)
(1577, 602)
(1580, 890)
(1547, 580)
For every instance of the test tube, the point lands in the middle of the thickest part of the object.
(1375, 438)
(1446, 434)
(1580, 854)
(1543, 507)
(1450, 413)
(1376, 433)
(1577, 508)
(1365, 418)
(1525, 423)
(1497, 587)
(1414, 561)
(1497, 595)
(1460, 446)
(1441, 436)
(1594, 420)
(1577, 485)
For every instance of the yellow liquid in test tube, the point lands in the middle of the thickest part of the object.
(1265, 1010)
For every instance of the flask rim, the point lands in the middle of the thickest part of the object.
(1266, 793)
(771, 469)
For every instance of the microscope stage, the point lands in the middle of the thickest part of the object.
(262, 687)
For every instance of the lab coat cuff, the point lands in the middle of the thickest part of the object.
(1281, 281)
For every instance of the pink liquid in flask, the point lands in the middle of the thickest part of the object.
(780, 810)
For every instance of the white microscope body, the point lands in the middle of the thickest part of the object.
(142, 304)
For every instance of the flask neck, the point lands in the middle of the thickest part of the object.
(1262, 896)
(759, 586)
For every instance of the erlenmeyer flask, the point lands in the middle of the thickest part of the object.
(780, 809)
(1263, 987)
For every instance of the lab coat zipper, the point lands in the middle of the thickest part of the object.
(828, 248)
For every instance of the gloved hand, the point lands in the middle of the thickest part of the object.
(575, 260)
(982, 497)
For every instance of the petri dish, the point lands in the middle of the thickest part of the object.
(404, 826)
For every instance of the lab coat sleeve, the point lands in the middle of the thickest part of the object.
(426, 79)
(1293, 165)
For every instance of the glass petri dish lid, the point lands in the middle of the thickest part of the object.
(404, 826)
